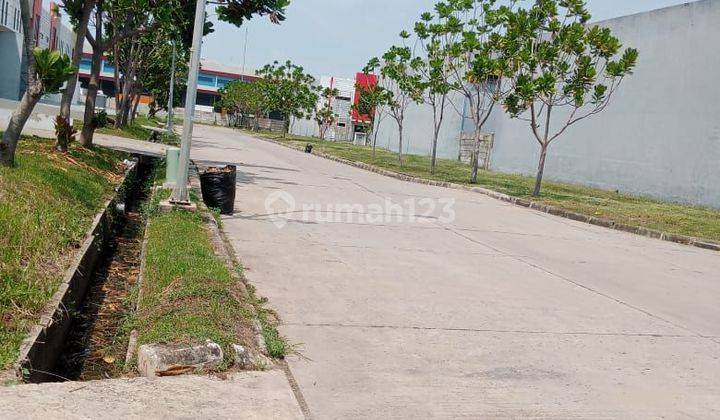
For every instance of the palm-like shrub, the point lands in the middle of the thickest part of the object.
(53, 69)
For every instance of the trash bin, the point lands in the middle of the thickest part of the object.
(218, 188)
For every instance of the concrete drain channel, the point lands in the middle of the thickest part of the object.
(81, 336)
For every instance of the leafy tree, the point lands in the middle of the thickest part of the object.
(563, 70)
(470, 30)
(401, 84)
(371, 105)
(243, 99)
(53, 70)
(131, 22)
(116, 22)
(289, 91)
(156, 75)
(326, 116)
(434, 71)
(47, 71)
(238, 11)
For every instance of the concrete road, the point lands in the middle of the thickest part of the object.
(493, 311)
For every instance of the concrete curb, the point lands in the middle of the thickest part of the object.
(224, 249)
(555, 211)
(41, 348)
(172, 360)
(132, 342)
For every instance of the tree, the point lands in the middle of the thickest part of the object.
(79, 12)
(289, 91)
(325, 116)
(434, 71)
(564, 70)
(155, 77)
(46, 72)
(243, 99)
(471, 30)
(117, 21)
(403, 87)
(97, 44)
(371, 105)
(238, 11)
(127, 21)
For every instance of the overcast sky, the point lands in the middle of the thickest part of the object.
(337, 37)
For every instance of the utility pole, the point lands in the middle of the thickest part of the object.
(245, 49)
(171, 98)
(180, 193)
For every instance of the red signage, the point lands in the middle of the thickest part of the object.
(363, 82)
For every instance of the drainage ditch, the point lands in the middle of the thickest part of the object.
(96, 342)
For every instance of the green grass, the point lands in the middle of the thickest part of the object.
(188, 293)
(47, 203)
(136, 130)
(621, 208)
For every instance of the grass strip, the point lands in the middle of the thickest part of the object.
(47, 203)
(136, 130)
(188, 293)
(700, 222)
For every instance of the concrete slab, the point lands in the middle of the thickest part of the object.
(247, 395)
(500, 312)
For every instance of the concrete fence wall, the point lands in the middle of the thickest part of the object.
(418, 130)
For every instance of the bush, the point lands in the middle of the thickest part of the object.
(100, 120)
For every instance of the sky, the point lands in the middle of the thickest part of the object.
(337, 37)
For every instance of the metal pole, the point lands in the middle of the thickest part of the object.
(245, 48)
(180, 193)
(171, 96)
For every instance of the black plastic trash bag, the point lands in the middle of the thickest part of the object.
(308, 148)
(218, 188)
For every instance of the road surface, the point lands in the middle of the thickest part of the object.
(493, 311)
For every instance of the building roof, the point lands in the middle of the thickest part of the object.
(219, 68)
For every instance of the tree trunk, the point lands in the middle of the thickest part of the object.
(69, 91)
(434, 150)
(86, 135)
(32, 95)
(15, 126)
(375, 131)
(135, 107)
(127, 98)
(475, 166)
(437, 123)
(541, 169)
(400, 144)
(475, 157)
(123, 110)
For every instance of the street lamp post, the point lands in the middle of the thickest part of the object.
(180, 193)
(171, 95)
